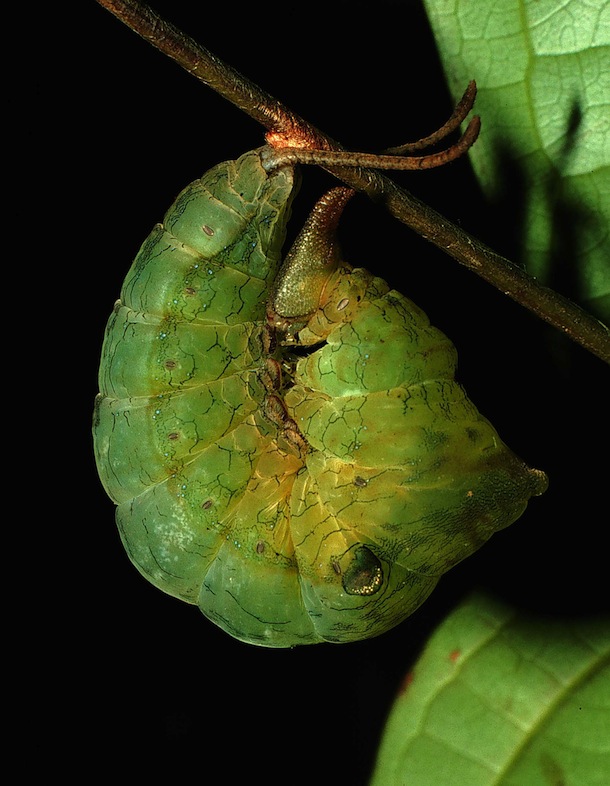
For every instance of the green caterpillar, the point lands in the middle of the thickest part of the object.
(288, 448)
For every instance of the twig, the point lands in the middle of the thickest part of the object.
(290, 130)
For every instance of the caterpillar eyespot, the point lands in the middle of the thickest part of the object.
(287, 448)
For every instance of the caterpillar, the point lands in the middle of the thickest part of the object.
(286, 443)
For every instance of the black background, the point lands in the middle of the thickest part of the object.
(142, 683)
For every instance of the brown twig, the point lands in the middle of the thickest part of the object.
(289, 130)
(331, 159)
(458, 115)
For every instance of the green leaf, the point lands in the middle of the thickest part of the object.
(499, 698)
(543, 72)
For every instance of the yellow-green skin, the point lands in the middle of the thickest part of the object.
(279, 545)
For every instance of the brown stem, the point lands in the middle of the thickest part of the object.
(458, 115)
(289, 130)
(215, 73)
(335, 158)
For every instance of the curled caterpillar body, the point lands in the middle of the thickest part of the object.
(301, 477)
